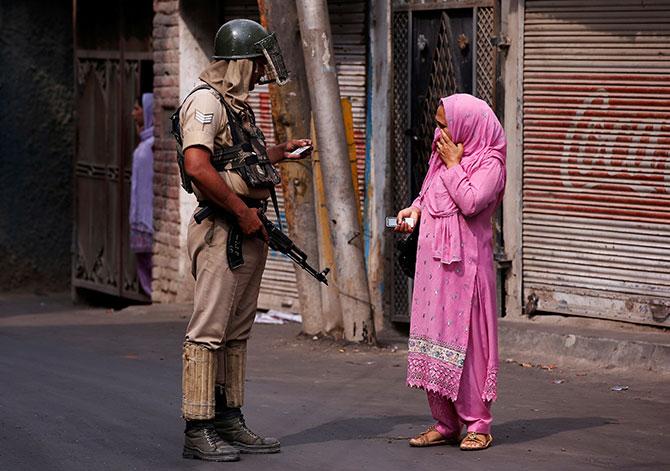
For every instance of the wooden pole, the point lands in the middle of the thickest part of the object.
(330, 295)
(291, 116)
(348, 115)
(332, 308)
(341, 200)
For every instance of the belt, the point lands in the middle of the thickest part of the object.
(250, 202)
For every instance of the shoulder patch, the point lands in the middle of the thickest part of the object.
(204, 118)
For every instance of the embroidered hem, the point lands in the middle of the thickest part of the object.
(433, 375)
(438, 350)
(443, 378)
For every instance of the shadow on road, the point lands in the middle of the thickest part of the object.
(512, 432)
(353, 429)
(524, 430)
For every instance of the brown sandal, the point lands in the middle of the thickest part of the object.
(431, 437)
(476, 441)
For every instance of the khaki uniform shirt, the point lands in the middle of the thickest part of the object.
(204, 122)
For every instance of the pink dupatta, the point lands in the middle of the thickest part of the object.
(472, 123)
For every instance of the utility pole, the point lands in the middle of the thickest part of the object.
(291, 113)
(347, 234)
(330, 295)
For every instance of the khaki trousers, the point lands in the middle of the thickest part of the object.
(225, 301)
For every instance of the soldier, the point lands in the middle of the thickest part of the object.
(224, 161)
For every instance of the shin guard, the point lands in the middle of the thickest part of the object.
(236, 359)
(199, 376)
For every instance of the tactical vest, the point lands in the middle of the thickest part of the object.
(247, 156)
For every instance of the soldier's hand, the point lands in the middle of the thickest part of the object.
(295, 144)
(251, 224)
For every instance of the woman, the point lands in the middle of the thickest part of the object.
(141, 191)
(453, 345)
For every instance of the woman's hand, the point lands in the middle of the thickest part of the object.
(450, 153)
(296, 144)
(411, 212)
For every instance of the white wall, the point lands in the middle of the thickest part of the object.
(197, 28)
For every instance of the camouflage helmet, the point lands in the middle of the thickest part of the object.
(246, 39)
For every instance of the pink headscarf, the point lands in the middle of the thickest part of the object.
(472, 123)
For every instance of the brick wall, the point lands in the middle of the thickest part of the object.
(167, 246)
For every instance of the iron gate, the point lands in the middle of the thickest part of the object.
(438, 49)
(112, 54)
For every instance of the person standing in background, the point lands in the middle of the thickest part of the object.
(141, 191)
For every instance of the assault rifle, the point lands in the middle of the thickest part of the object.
(278, 241)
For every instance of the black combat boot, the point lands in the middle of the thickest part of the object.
(230, 426)
(202, 442)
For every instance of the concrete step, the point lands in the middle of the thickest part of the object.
(586, 344)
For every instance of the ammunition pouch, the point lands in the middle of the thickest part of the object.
(241, 159)
(248, 155)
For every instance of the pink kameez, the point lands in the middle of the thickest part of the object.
(453, 345)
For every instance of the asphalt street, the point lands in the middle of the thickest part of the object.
(96, 389)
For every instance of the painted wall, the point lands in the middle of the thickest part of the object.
(37, 135)
(183, 33)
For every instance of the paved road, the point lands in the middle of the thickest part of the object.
(99, 390)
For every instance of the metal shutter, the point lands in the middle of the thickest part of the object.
(596, 171)
(278, 287)
(349, 31)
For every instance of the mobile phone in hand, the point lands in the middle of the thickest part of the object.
(301, 150)
(393, 221)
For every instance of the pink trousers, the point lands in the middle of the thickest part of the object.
(469, 408)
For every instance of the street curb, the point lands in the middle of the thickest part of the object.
(588, 348)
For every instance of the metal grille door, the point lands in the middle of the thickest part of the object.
(436, 52)
(401, 291)
(596, 176)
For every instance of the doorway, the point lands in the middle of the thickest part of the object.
(436, 52)
(113, 66)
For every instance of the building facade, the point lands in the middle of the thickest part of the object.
(582, 92)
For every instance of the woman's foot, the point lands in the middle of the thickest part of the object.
(476, 441)
(431, 437)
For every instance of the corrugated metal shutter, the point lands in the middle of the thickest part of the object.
(348, 27)
(596, 172)
(278, 287)
(347, 18)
